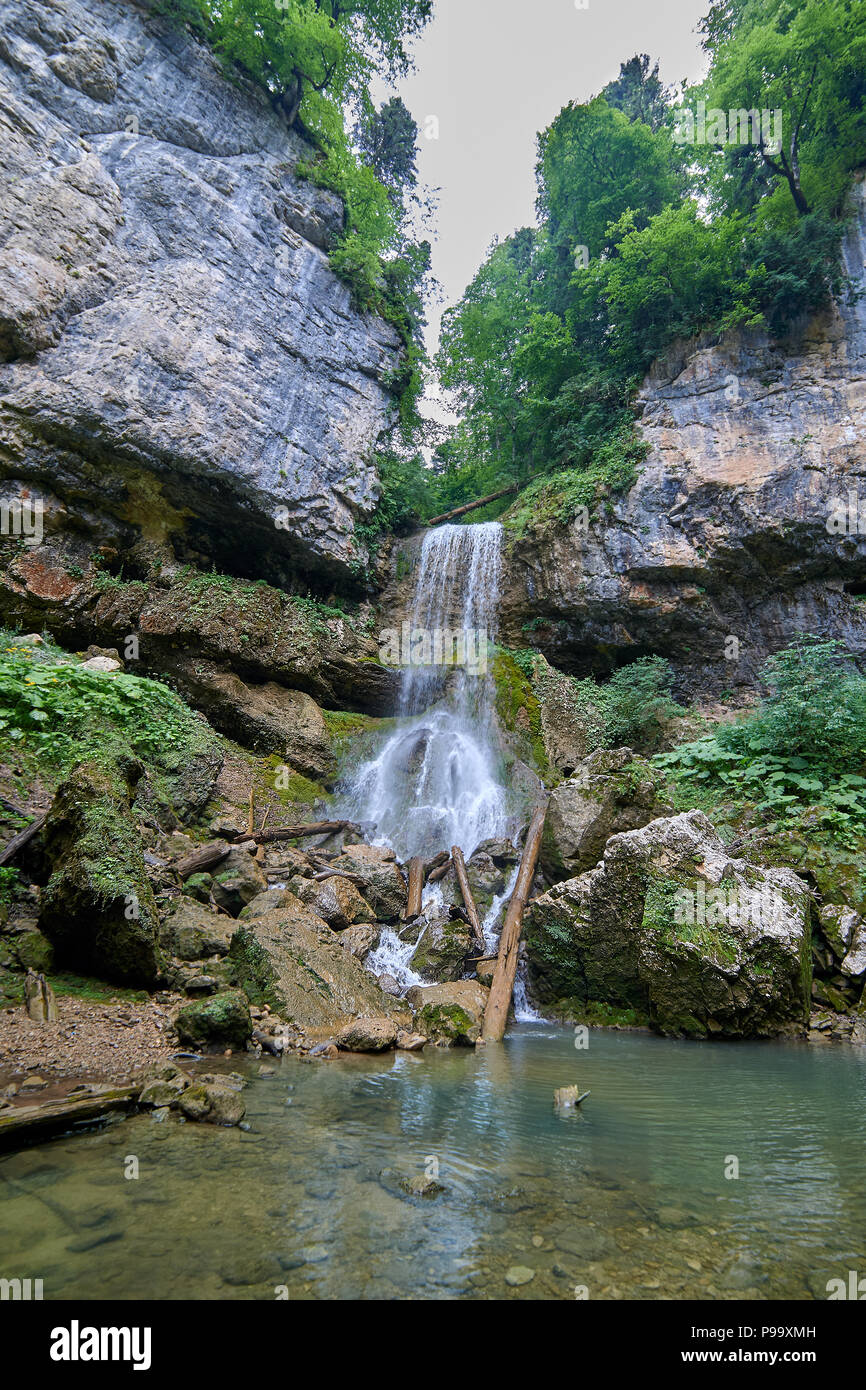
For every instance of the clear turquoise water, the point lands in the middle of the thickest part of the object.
(627, 1198)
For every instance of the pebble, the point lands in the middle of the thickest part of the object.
(519, 1274)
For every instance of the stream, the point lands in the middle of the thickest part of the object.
(625, 1198)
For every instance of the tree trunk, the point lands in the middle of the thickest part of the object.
(471, 506)
(298, 832)
(499, 999)
(468, 900)
(201, 859)
(416, 888)
(440, 872)
(22, 838)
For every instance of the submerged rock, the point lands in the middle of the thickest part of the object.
(670, 925)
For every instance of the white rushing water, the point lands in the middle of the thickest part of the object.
(436, 780)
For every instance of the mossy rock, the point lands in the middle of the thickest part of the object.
(447, 1023)
(98, 908)
(222, 1019)
(34, 952)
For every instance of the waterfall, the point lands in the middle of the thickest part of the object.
(436, 780)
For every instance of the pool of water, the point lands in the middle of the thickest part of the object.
(628, 1198)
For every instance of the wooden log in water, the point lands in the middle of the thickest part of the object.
(468, 900)
(502, 985)
(28, 1124)
(437, 862)
(416, 888)
(472, 506)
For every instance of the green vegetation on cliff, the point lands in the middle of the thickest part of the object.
(646, 235)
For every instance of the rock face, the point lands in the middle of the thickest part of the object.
(671, 926)
(449, 1013)
(98, 908)
(179, 356)
(725, 531)
(291, 960)
(611, 792)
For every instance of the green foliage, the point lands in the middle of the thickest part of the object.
(545, 349)
(804, 747)
(64, 713)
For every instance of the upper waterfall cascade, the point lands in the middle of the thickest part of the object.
(436, 781)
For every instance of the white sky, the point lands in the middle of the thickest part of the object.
(495, 72)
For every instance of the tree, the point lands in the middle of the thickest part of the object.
(639, 93)
(387, 140)
(806, 60)
(594, 164)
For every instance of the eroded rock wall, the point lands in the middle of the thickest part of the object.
(725, 531)
(177, 359)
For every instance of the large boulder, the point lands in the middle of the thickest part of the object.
(336, 900)
(98, 908)
(612, 791)
(368, 1035)
(670, 925)
(291, 960)
(449, 1013)
(384, 886)
(192, 931)
(268, 717)
(237, 880)
(442, 948)
(224, 1019)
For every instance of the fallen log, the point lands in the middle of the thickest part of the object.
(468, 900)
(472, 506)
(298, 832)
(340, 873)
(416, 888)
(27, 1124)
(502, 985)
(22, 838)
(437, 862)
(202, 859)
(436, 874)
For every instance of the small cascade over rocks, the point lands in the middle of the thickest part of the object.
(436, 781)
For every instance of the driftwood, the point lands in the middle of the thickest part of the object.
(340, 873)
(472, 506)
(502, 985)
(437, 862)
(39, 998)
(267, 1043)
(468, 900)
(22, 838)
(298, 832)
(202, 859)
(416, 888)
(23, 1124)
(439, 872)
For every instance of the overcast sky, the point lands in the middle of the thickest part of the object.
(495, 72)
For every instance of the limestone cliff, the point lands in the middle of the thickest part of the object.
(177, 359)
(725, 531)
